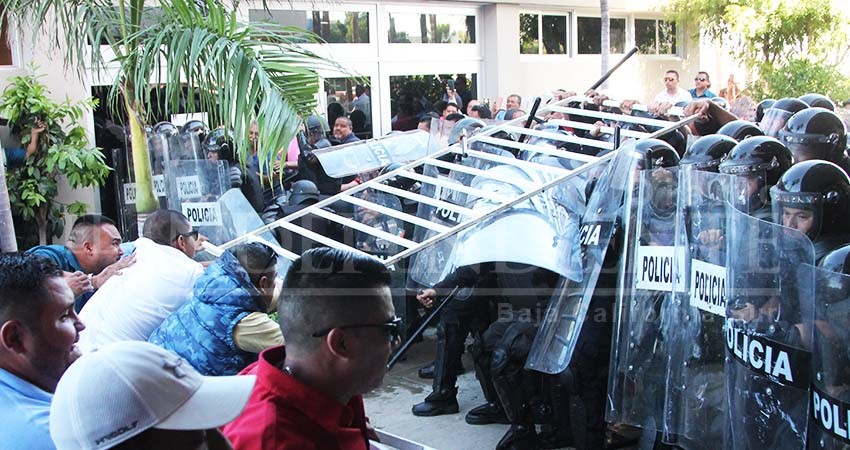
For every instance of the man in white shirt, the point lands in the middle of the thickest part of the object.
(130, 307)
(672, 93)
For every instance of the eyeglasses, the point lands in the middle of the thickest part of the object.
(392, 328)
(193, 233)
(700, 79)
(669, 79)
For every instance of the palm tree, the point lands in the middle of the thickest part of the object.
(200, 52)
(605, 35)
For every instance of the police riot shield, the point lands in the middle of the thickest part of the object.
(695, 411)
(829, 420)
(374, 243)
(194, 188)
(431, 264)
(157, 149)
(555, 342)
(640, 346)
(365, 156)
(768, 332)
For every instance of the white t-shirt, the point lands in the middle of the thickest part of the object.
(681, 96)
(130, 306)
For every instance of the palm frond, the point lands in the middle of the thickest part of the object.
(237, 72)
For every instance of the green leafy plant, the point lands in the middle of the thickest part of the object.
(790, 46)
(64, 150)
(201, 52)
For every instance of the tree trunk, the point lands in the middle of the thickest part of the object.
(41, 221)
(605, 35)
(8, 243)
(146, 200)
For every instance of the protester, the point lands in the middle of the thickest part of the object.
(38, 334)
(17, 156)
(131, 307)
(91, 255)
(337, 317)
(672, 93)
(135, 395)
(225, 324)
(701, 86)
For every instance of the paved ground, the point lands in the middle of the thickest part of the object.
(388, 408)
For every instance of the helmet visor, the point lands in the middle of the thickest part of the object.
(773, 121)
(801, 211)
(809, 146)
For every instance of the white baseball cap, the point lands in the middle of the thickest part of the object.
(108, 396)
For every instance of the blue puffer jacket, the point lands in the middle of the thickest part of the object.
(201, 331)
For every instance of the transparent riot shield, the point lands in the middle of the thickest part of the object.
(365, 156)
(157, 148)
(555, 342)
(695, 411)
(431, 264)
(640, 346)
(768, 359)
(829, 418)
(374, 244)
(194, 187)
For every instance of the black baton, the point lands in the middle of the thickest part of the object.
(611, 70)
(400, 352)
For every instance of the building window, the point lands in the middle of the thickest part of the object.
(655, 37)
(347, 96)
(411, 28)
(551, 30)
(5, 49)
(335, 27)
(590, 35)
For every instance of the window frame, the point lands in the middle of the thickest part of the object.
(568, 35)
(14, 44)
(627, 32)
(680, 43)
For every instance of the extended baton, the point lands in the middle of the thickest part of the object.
(401, 351)
(611, 70)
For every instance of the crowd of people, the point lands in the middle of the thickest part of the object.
(113, 344)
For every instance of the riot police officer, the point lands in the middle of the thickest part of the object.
(309, 167)
(218, 146)
(818, 101)
(813, 197)
(778, 114)
(740, 130)
(816, 133)
(762, 107)
(758, 162)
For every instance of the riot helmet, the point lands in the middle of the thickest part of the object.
(759, 162)
(814, 198)
(398, 181)
(677, 140)
(777, 115)
(818, 101)
(837, 261)
(707, 152)
(197, 127)
(740, 130)
(470, 124)
(316, 124)
(815, 133)
(166, 128)
(762, 107)
(303, 191)
(220, 143)
(655, 153)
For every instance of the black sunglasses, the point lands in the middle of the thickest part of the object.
(193, 233)
(699, 79)
(392, 328)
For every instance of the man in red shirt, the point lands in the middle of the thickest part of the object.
(339, 325)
